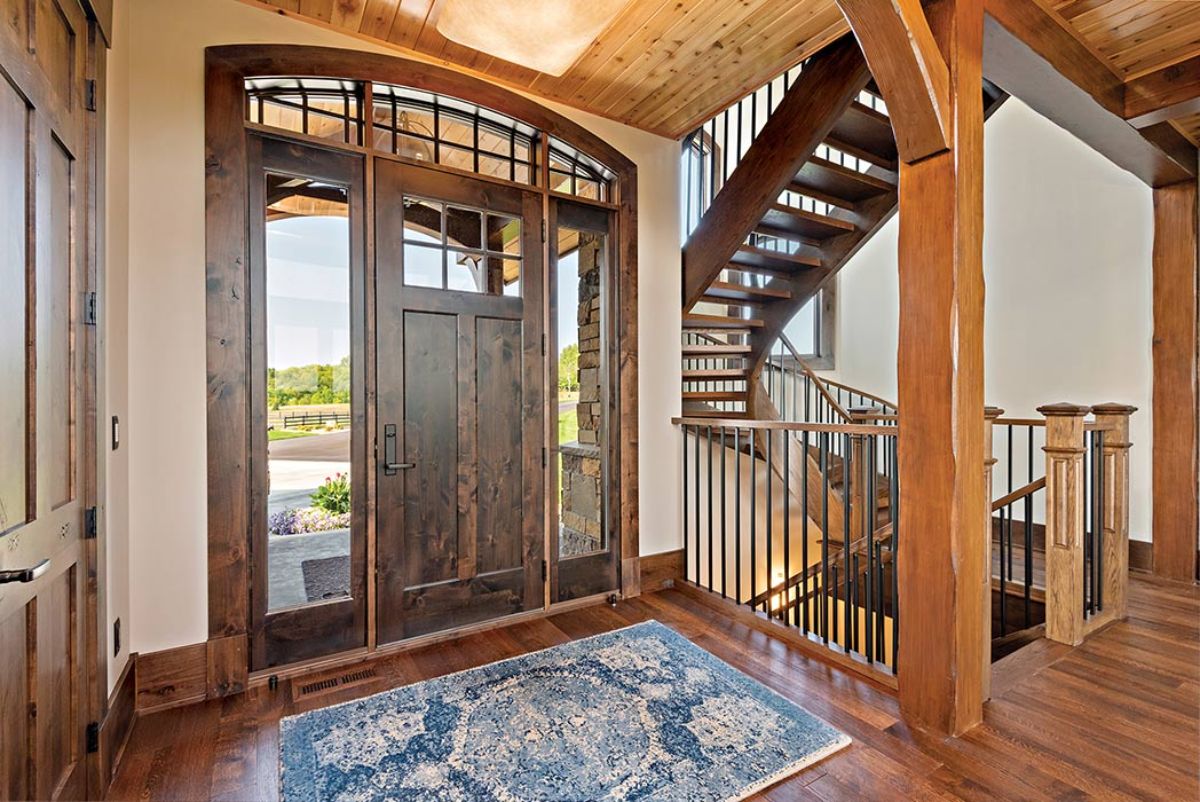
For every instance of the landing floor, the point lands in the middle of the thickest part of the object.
(1118, 717)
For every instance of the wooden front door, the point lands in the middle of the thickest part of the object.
(46, 395)
(460, 426)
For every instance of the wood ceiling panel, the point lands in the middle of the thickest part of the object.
(1136, 36)
(1190, 126)
(661, 65)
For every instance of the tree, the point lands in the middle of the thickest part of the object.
(568, 368)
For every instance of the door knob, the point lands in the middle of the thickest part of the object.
(25, 574)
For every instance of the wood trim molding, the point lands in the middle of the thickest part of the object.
(118, 723)
(223, 660)
(171, 678)
(1176, 395)
(912, 75)
(1165, 94)
(662, 570)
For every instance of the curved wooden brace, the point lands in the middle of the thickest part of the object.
(909, 69)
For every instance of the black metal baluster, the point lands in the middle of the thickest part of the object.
(724, 517)
(737, 514)
(710, 511)
(870, 445)
(848, 468)
(1003, 581)
(823, 448)
(770, 524)
(697, 501)
(803, 596)
(686, 563)
(1098, 545)
(784, 607)
(753, 515)
(894, 510)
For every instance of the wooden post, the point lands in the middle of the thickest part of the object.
(941, 657)
(989, 461)
(1176, 392)
(1115, 420)
(1064, 521)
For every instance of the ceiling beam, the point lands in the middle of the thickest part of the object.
(909, 69)
(1028, 53)
(1166, 94)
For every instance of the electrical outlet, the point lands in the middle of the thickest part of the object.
(116, 637)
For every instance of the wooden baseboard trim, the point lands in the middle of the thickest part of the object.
(172, 677)
(1141, 556)
(118, 722)
(661, 570)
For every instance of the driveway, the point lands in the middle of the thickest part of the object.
(326, 447)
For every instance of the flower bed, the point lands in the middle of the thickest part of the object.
(306, 519)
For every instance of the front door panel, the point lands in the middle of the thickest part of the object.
(459, 374)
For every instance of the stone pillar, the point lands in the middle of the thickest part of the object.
(582, 480)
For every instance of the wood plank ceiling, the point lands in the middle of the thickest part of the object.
(662, 65)
(667, 65)
(1138, 38)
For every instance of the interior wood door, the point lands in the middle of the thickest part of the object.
(460, 416)
(45, 394)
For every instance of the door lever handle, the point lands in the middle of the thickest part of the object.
(390, 465)
(25, 574)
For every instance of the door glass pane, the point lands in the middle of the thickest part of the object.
(578, 347)
(461, 249)
(308, 392)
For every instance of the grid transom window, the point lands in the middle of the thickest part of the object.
(326, 108)
(451, 247)
(573, 172)
(426, 127)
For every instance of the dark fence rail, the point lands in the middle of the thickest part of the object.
(316, 419)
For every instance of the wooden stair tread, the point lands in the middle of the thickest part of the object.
(714, 413)
(850, 148)
(724, 289)
(714, 395)
(693, 320)
(791, 263)
(833, 180)
(789, 221)
(716, 348)
(715, 373)
(867, 130)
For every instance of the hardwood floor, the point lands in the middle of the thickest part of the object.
(1116, 718)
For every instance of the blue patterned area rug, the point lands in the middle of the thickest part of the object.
(636, 714)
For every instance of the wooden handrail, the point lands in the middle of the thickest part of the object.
(881, 401)
(833, 428)
(1019, 493)
(1020, 422)
(817, 380)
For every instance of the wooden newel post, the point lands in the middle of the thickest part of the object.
(1114, 419)
(989, 461)
(1064, 521)
(860, 476)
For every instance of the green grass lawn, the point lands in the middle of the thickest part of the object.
(568, 427)
(284, 434)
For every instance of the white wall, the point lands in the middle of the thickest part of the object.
(115, 371)
(1067, 246)
(165, 423)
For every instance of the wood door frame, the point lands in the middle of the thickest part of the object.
(228, 315)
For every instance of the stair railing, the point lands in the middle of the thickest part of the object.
(764, 538)
(713, 386)
(713, 151)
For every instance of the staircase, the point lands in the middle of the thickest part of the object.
(780, 207)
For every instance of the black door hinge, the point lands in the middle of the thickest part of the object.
(543, 231)
(545, 458)
(93, 737)
(89, 309)
(89, 523)
(545, 345)
(545, 571)
(89, 94)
